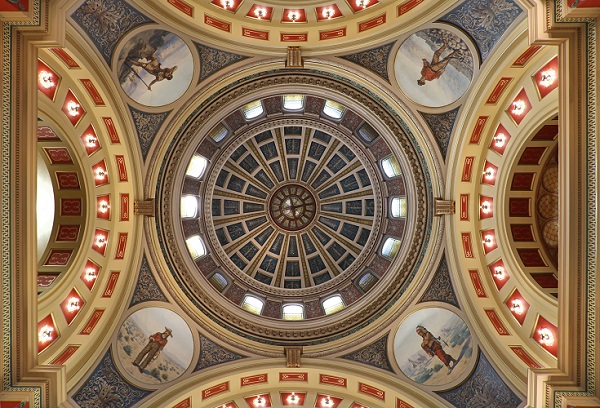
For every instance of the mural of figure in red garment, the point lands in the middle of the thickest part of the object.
(433, 347)
(156, 343)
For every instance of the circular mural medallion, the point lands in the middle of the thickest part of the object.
(155, 345)
(434, 67)
(433, 346)
(155, 67)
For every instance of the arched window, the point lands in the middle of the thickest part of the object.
(367, 281)
(367, 133)
(390, 248)
(333, 304)
(189, 206)
(197, 166)
(252, 110)
(218, 281)
(293, 102)
(218, 133)
(398, 207)
(293, 312)
(390, 166)
(253, 304)
(196, 246)
(334, 110)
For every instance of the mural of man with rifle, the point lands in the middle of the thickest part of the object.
(156, 343)
(433, 346)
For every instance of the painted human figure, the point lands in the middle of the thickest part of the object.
(434, 69)
(156, 343)
(433, 347)
(153, 67)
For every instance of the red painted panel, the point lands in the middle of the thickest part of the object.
(333, 380)
(502, 133)
(550, 70)
(546, 280)
(121, 167)
(467, 246)
(532, 155)
(92, 322)
(489, 233)
(89, 275)
(299, 14)
(103, 207)
(90, 141)
(531, 257)
(467, 168)
(496, 322)
(499, 281)
(91, 88)
(327, 401)
(522, 232)
(293, 376)
(526, 358)
(408, 6)
(477, 284)
(46, 133)
(266, 12)
(372, 23)
(47, 326)
(112, 130)
(486, 207)
(478, 129)
(584, 3)
(71, 305)
(44, 280)
(356, 7)
(526, 107)
(254, 379)
(253, 400)
(298, 37)
(548, 132)
(67, 233)
(332, 10)
(544, 325)
(111, 284)
(529, 52)
(125, 207)
(256, 34)
(292, 398)
(65, 355)
(71, 100)
(489, 180)
(70, 206)
(522, 182)
(58, 155)
(519, 207)
(498, 89)
(67, 180)
(216, 23)
(518, 306)
(214, 390)
(464, 207)
(100, 241)
(21, 6)
(182, 6)
(58, 257)
(372, 391)
(232, 6)
(328, 35)
(100, 173)
(65, 57)
(402, 404)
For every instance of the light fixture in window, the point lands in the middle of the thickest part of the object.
(293, 102)
(488, 240)
(196, 246)
(398, 207)
(486, 207)
(546, 337)
(328, 12)
(103, 206)
(260, 401)
(333, 304)
(517, 307)
(518, 107)
(73, 108)
(547, 77)
(45, 334)
(90, 274)
(293, 312)
(391, 166)
(252, 110)
(189, 206)
(333, 109)
(253, 304)
(293, 16)
(101, 173)
(362, 3)
(499, 273)
(327, 402)
(489, 173)
(73, 305)
(390, 248)
(260, 12)
(226, 4)
(197, 166)
(499, 140)
(46, 79)
(100, 240)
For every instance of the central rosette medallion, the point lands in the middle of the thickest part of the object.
(292, 207)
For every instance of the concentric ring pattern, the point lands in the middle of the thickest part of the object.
(292, 207)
